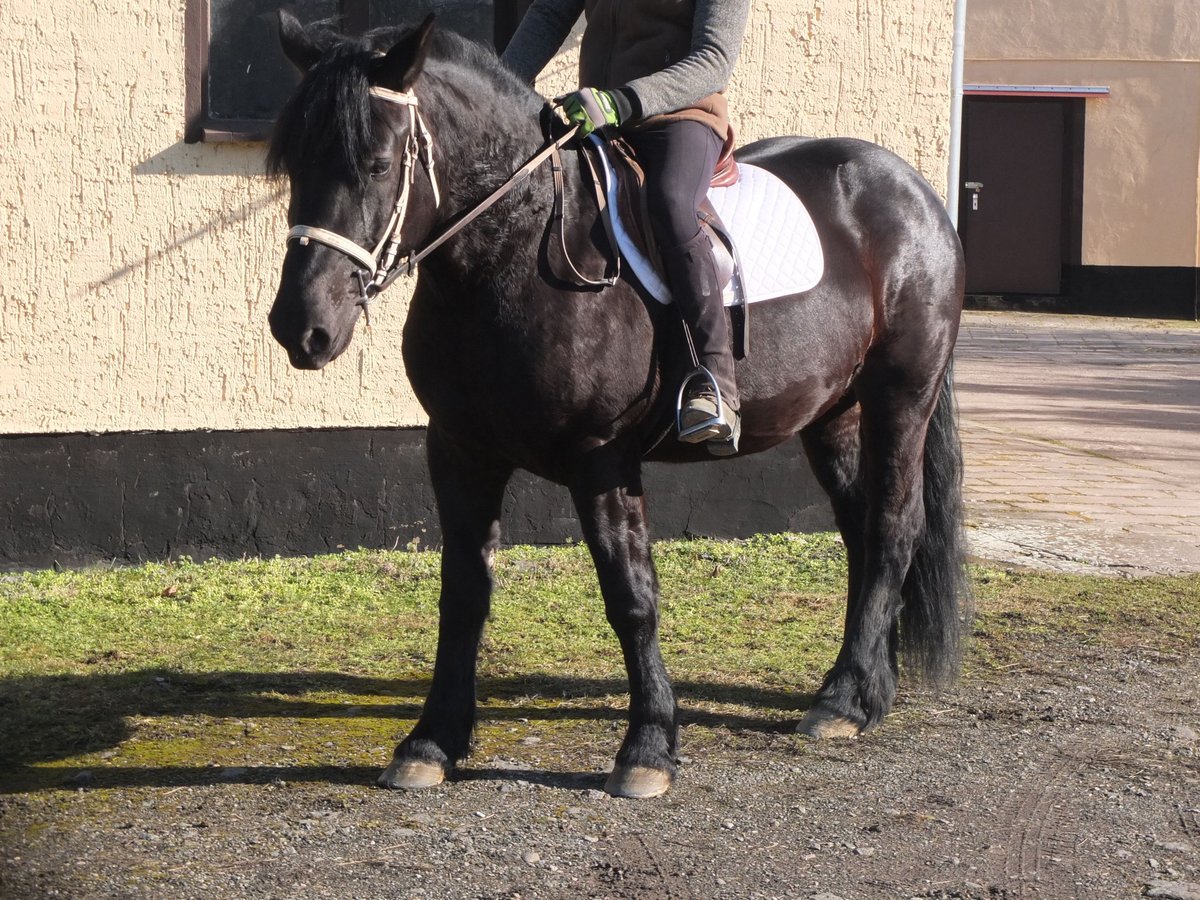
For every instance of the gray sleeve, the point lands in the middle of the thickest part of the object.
(541, 32)
(717, 31)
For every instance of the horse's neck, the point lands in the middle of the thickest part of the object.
(506, 239)
(481, 144)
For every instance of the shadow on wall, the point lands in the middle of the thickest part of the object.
(205, 160)
(222, 159)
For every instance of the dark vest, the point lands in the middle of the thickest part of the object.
(628, 39)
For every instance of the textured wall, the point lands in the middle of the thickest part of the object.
(138, 271)
(1083, 29)
(1141, 204)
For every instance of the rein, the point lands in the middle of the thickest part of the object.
(383, 263)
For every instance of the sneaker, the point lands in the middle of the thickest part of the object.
(703, 418)
(727, 446)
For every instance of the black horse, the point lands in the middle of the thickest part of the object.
(518, 368)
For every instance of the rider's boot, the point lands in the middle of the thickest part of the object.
(692, 275)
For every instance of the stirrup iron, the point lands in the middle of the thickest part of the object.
(714, 427)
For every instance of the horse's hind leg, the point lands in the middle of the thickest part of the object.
(469, 489)
(612, 513)
(832, 445)
(880, 509)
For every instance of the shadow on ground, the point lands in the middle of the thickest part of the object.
(51, 718)
(1148, 403)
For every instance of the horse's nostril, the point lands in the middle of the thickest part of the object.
(316, 341)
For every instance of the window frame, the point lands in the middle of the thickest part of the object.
(200, 127)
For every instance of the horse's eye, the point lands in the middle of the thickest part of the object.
(380, 166)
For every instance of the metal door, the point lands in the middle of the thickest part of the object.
(1011, 201)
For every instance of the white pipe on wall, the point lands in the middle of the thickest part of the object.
(954, 179)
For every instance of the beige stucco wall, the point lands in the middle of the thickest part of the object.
(1141, 204)
(138, 271)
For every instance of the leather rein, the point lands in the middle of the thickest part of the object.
(384, 264)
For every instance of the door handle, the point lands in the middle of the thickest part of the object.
(974, 187)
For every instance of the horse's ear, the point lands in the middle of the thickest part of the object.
(401, 65)
(301, 49)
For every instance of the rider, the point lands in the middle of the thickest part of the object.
(658, 69)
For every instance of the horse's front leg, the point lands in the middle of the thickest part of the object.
(612, 513)
(469, 489)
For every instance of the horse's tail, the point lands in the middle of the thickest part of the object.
(936, 614)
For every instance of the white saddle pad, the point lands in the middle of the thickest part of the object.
(775, 238)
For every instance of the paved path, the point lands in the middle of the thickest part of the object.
(1082, 441)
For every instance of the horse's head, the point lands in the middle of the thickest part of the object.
(357, 154)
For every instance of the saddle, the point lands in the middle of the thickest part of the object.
(628, 194)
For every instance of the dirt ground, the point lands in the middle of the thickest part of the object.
(1074, 774)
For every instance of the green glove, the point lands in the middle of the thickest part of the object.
(591, 108)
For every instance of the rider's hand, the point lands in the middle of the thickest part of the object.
(591, 108)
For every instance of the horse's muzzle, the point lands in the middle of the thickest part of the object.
(308, 346)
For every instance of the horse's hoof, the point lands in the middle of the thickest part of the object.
(823, 725)
(412, 775)
(637, 782)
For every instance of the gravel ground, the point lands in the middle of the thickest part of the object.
(1075, 774)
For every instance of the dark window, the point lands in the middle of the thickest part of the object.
(472, 18)
(237, 77)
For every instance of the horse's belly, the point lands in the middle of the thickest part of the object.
(533, 398)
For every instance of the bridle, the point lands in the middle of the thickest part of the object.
(384, 264)
(383, 261)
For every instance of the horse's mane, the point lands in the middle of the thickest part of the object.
(329, 114)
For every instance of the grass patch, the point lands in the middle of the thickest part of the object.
(1019, 610)
(185, 672)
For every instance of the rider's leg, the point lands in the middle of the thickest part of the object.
(679, 158)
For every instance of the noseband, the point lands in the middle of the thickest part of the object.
(383, 261)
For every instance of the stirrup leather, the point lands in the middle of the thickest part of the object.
(715, 427)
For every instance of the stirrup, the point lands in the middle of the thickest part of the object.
(716, 426)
